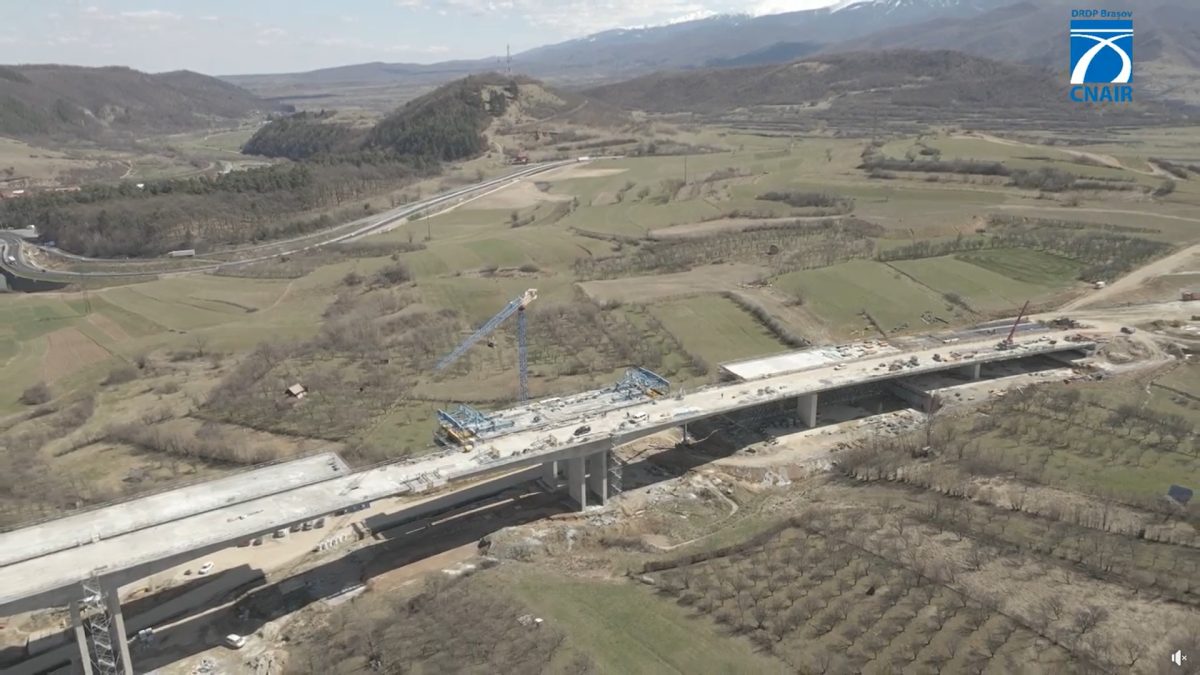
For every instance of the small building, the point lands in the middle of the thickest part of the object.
(297, 391)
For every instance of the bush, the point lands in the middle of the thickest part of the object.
(120, 375)
(394, 274)
(36, 395)
(352, 279)
(1166, 188)
(806, 199)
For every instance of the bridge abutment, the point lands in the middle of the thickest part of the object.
(971, 371)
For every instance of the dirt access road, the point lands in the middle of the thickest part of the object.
(1136, 278)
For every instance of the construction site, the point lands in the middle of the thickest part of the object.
(574, 442)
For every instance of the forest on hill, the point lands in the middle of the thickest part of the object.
(333, 164)
(446, 124)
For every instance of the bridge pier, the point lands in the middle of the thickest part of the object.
(551, 474)
(576, 480)
(82, 663)
(118, 624)
(806, 407)
(971, 371)
(99, 628)
(597, 480)
(586, 474)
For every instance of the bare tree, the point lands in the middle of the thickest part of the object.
(1088, 618)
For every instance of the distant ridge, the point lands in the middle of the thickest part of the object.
(91, 103)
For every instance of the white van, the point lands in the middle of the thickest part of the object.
(234, 641)
(639, 416)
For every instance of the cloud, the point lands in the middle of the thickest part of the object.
(150, 15)
(578, 17)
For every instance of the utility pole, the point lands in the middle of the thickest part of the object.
(685, 169)
(508, 60)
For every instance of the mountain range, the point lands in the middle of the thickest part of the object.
(621, 53)
(76, 102)
(1030, 32)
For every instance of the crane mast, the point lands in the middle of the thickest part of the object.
(515, 306)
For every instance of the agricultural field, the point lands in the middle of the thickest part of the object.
(842, 293)
(362, 325)
(715, 328)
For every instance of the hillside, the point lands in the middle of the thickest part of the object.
(443, 125)
(92, 103)
(1167, 52)
(925, 86)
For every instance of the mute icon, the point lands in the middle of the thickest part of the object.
(1178, 657)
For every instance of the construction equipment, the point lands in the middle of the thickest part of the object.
(463, 424)
(516, 306)
(1007, 342)
(639, 381)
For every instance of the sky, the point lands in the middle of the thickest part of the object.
(230, 37)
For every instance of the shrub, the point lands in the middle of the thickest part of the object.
(36, 394)
(393, 274)
(120, 375)
(1166, 188)
(352, 279)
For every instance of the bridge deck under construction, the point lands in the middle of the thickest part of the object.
(53, 577)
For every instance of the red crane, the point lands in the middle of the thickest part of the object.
(1007, 343)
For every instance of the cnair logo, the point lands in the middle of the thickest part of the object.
(1101, 52)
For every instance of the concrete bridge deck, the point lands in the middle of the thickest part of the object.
(53, 578)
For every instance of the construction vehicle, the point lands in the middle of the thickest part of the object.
(1007, 342)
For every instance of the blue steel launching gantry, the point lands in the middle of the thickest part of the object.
(639, 382)
(463, 425)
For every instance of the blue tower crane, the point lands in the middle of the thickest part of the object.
(516, 306)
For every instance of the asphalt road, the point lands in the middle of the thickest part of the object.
(20, 265)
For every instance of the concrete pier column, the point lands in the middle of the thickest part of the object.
(806, 406)
(576, 481)
(971, 371)
(550, 475)
(120, 639)
(84, 657)
(597, 478)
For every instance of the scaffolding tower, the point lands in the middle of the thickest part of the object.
(97, 622)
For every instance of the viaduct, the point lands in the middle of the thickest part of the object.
(80, 560)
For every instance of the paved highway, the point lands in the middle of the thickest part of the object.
(13, 259)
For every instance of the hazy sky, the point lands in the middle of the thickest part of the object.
(224, 37)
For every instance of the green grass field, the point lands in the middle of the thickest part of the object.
(715, 328)
(628, 629)
(841, 292)
(1030, 267)
(992, 280)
